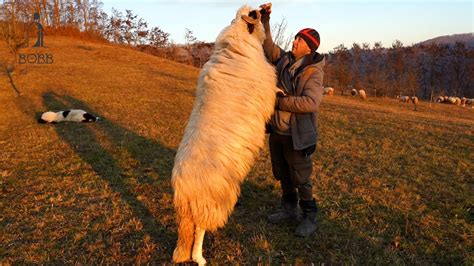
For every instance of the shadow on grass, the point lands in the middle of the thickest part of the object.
(273, 244)
(151, 156)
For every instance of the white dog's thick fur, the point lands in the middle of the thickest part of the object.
(235, 97)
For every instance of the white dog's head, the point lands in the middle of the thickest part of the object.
(248, 20)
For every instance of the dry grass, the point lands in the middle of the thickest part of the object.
(393, 185)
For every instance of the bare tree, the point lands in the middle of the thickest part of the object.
(56, 14)
(71, 13)
(115, 27)
(279, 34)
(459, 65)
(129, 26)
(189, 37)
(357, 66)
(377, 73)
(397, 66)
(411, 74)
(141, 32)
(14, 31)
(158, 38)
(98, 19)
(82, 6)
(342, 72)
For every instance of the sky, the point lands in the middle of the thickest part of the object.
(338, 21)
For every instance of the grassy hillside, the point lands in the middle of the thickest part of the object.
(393, 185)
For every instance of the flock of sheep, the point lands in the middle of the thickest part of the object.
(456, 101)
(330, 91)
(407, 99)
(412, 99)
(361, 93)
(441, 99)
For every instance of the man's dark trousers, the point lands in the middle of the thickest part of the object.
(293, 169)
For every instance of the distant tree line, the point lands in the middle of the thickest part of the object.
(412, 70)
(421, 70)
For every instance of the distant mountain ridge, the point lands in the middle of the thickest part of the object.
(467, 38)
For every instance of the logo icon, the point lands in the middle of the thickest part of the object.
(39, 42)
(37, 58)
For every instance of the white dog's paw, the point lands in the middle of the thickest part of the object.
(280, 91)
(200, 260)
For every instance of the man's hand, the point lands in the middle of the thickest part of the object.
(265, 10)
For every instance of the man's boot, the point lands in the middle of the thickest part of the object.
(288, 211)
(308, 225)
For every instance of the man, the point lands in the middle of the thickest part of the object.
(293, 128)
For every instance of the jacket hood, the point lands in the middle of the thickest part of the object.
(315, 60)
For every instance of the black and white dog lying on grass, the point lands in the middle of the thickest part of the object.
(73, 115)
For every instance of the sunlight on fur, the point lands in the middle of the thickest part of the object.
(235, 97)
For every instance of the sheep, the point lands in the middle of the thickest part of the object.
(353, 92)
(463, 101)
(235, 97)
(404, 99)
(415, 101)
(451, 100)
(362, 95)
(329, 91)
(441, 99)
(468, 101)
(458, 101)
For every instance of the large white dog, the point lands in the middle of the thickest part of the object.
(235, 97)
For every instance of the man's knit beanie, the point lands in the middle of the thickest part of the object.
(311, 37)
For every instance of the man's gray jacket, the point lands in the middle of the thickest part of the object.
(304, 88)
